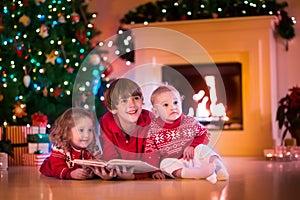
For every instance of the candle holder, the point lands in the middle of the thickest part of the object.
(295, 152)
(283, 153)
(269, 154)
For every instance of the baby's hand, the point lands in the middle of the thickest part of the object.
(188, 153)
(82, 174)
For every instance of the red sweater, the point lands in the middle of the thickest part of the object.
(116, 144)
(167, 140)
(56, 164)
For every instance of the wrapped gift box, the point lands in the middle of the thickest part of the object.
(37, 130)
(34, 159)
(38, 138)
(38, 142)
(41, 147)
(18, 137)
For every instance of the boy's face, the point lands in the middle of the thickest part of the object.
(82, 134)
(168, 106)
(128, 110)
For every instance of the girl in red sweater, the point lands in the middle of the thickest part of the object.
(73, 137)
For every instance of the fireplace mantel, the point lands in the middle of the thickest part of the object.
(248, 40)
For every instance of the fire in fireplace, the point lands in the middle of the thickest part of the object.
(212, 92)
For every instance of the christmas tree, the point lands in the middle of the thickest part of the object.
(46, 60)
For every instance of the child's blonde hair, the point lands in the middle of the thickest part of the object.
(161, 89)
(60, 133)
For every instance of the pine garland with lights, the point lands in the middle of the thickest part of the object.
(43, 45)
(175, 10)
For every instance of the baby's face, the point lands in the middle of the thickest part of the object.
(83, 133)
(168, 106)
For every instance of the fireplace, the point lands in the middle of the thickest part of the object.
(206, 101)
(229, 42)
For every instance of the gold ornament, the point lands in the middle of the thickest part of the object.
(51, 57)
(25, 20)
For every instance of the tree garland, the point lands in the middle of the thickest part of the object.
(175, 10)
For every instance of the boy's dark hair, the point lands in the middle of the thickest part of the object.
(121, 88)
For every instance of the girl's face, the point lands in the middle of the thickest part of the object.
(82, 134)
(168, 106)
(128, 110)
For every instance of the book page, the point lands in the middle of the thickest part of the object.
(138, 165)
(96, 163)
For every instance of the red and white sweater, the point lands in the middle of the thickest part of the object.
(167, 140)
(58, 163)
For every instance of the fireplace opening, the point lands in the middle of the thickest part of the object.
(212, 92)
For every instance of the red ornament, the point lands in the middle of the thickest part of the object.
(1, 25)
(81, 35)
(75, 18)
(25, 3)
(19, 49)
(13, 7)
(57, 92)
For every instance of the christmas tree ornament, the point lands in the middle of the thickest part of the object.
(95, 59)
(19, 110)
(19, 49)
(57, 92)
(44, 31)
(45, 92)
(75, 18)
(1, 97)
(61, 18)
(81, 35)
(25, 20)
(70, 70)
(25, 3)
(51, 57)
(1, 25)
(13, 7)
(26, 80)
(38, 2)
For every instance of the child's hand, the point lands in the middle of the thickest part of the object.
(158, 175)
(82, 174)
(126, 174)
(188, 153)
(104, 173)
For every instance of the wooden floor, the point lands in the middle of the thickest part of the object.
(250, 179)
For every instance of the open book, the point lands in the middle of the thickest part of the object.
(138, 165)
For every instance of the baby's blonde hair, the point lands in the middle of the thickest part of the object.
(161, 89)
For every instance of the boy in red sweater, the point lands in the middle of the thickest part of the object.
(177, 142)
(124, 129)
